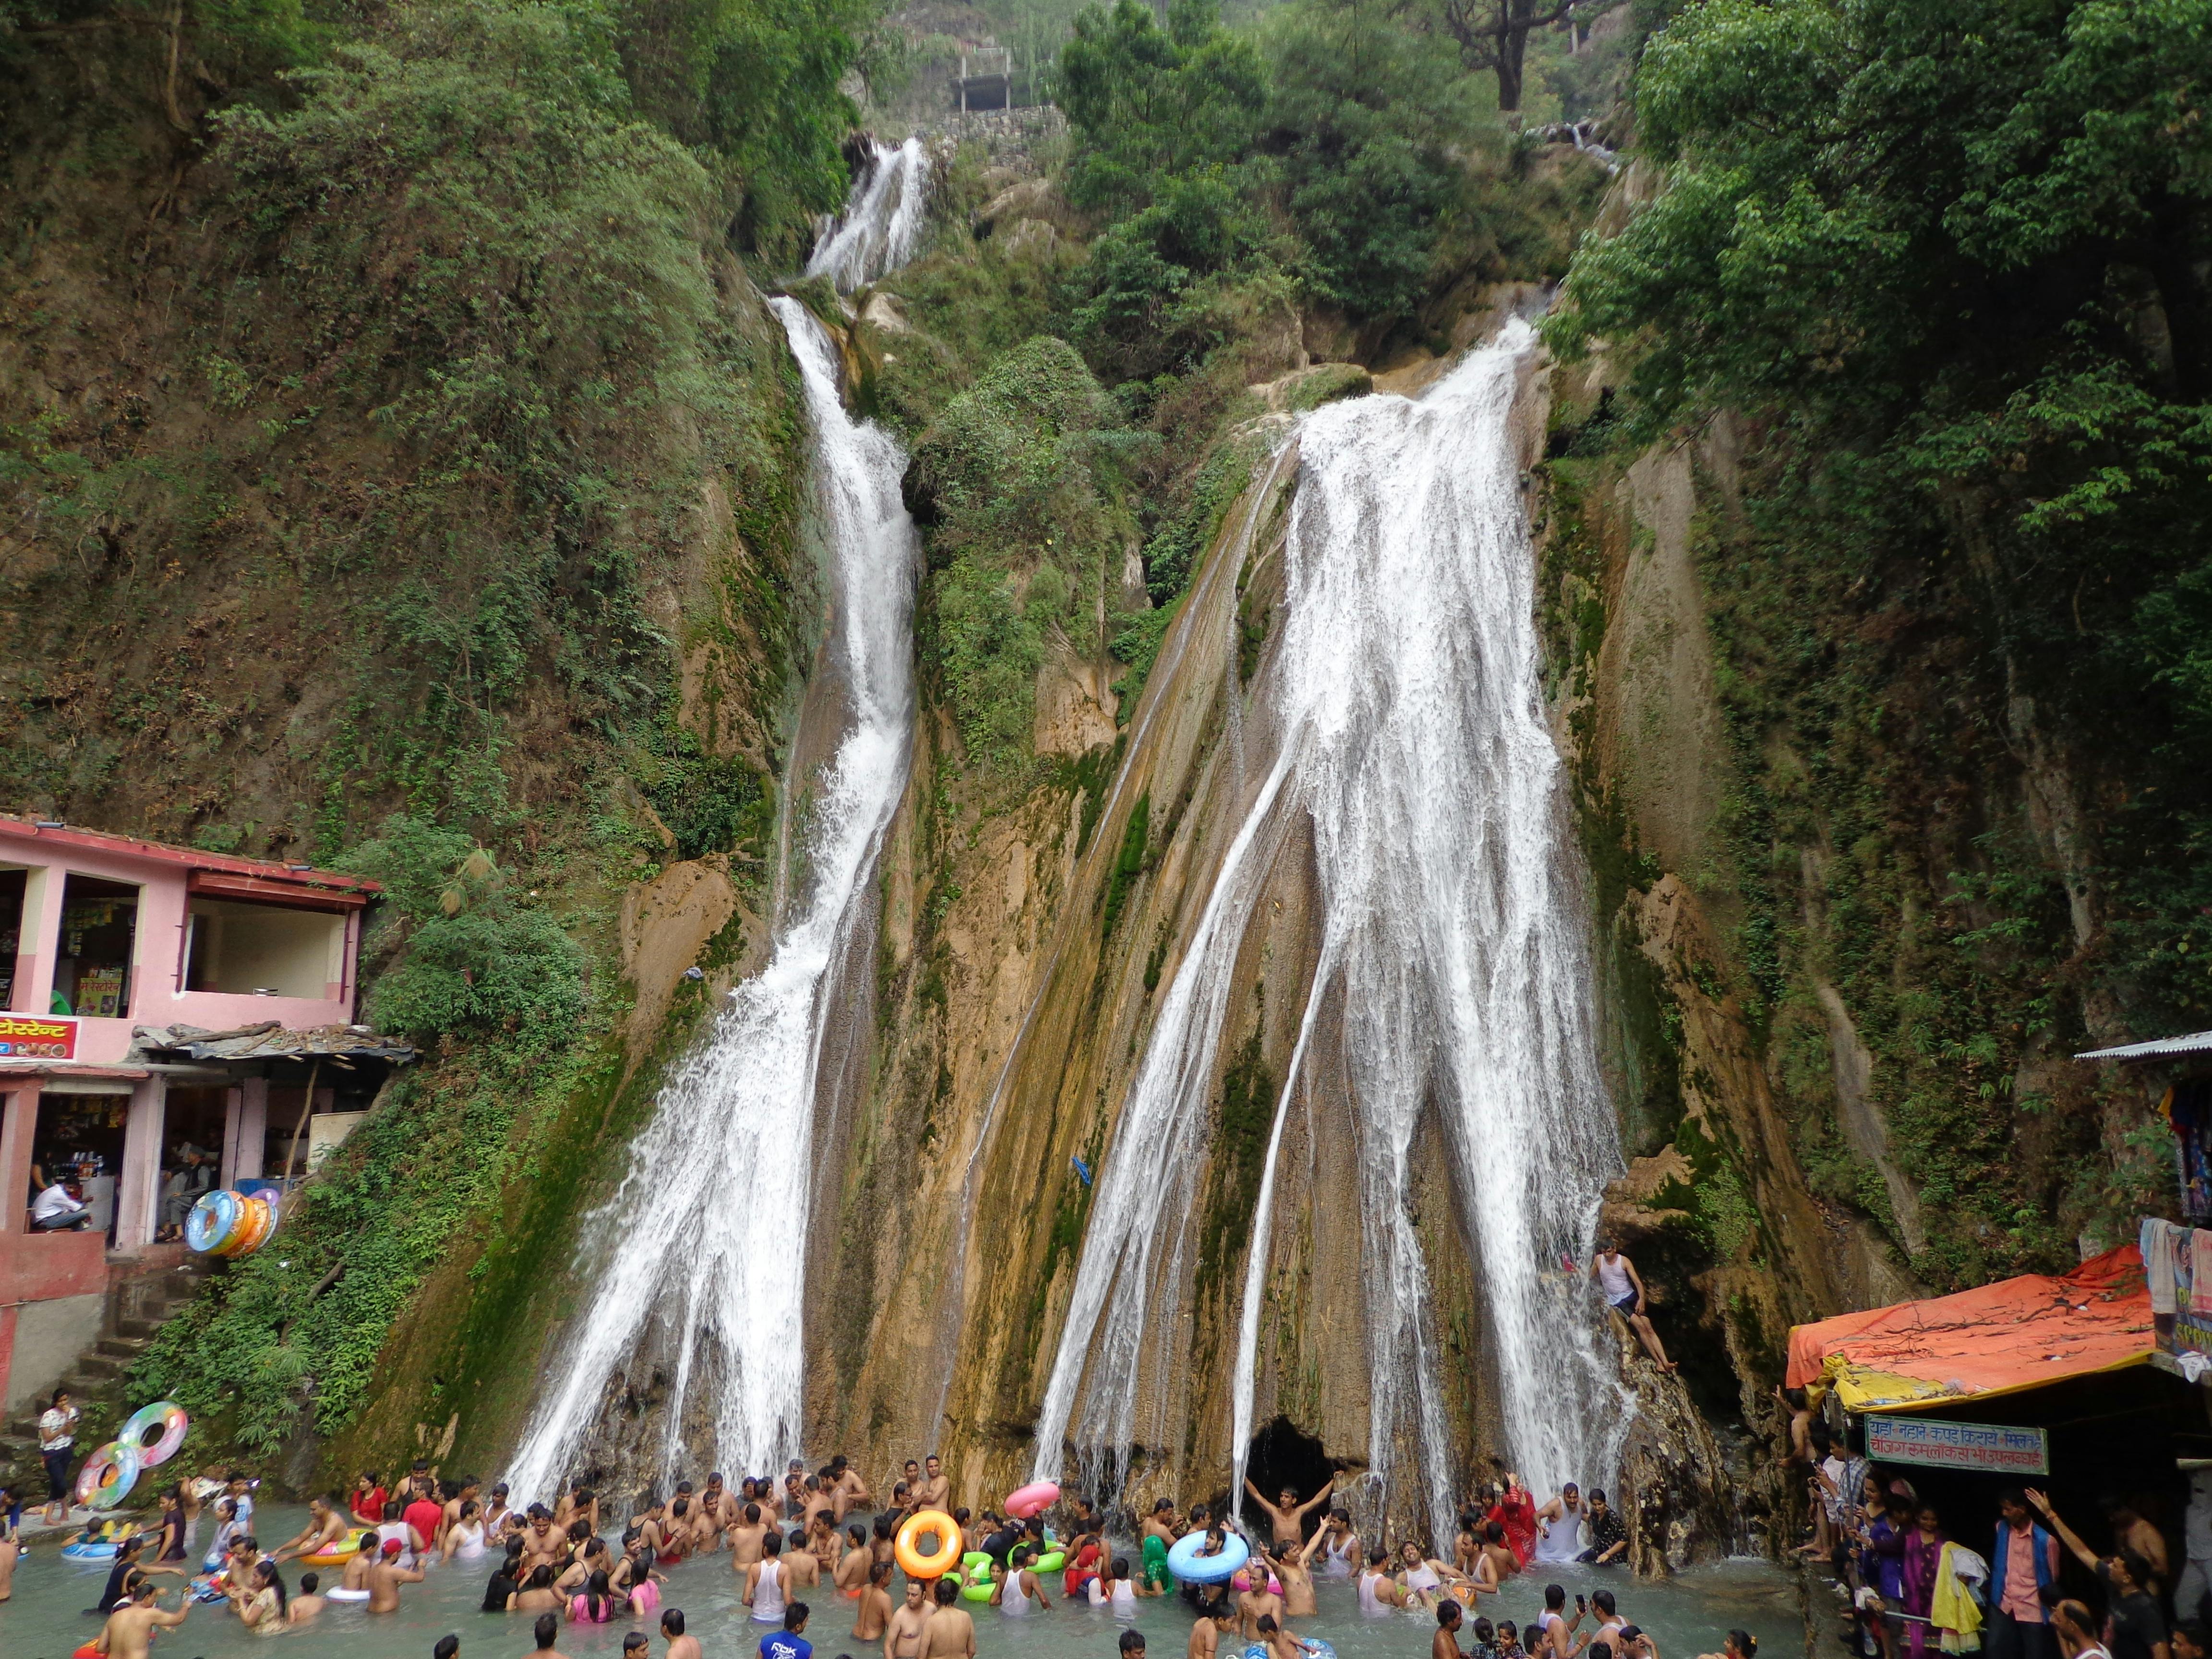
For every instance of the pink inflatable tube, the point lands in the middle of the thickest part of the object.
(1026, 1501)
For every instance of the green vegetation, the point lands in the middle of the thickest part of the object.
(1946, 266)
(1021, 480)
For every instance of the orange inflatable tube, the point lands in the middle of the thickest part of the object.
(937, 1524)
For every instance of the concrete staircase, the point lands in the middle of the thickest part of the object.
(139, 1303)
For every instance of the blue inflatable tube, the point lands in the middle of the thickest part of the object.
(1185, 1562)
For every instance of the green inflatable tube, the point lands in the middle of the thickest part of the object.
(977, 1592)
(974, 1558)
(1051, 1561)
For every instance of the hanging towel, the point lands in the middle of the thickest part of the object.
(2200, 1271)
(1952, 1609)
(2156, 1243)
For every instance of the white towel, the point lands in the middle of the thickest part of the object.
(2156, 1242)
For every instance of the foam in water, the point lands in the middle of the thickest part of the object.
(1405, 700)
(704, 1233)
(882, 221)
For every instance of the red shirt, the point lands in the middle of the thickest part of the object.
(1516, 1513)
(423, 1516)
(369, 1505)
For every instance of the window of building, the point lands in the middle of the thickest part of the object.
(264, 950)
(92, 966)
(12, 884)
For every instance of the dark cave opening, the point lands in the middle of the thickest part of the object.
(1281, 1455)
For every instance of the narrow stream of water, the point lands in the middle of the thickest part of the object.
(680, 1281)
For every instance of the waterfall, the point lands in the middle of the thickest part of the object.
(882, 221)
(1404, 698)
(703, 1242)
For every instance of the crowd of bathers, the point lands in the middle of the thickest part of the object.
(788, 1538)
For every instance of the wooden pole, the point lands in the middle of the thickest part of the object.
(307, 1107)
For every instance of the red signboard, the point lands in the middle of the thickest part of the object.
(23, 1036)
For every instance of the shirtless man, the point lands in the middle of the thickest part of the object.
(936, 1490)
(824, 1542)
(129, 1631)
(307, 1604)
(716, 1499)
(1255, 1604)
(745, 1538)
(913, 1480)
(680, 1646)
(905, 1631)
(1295, 1569)
(952, 1632)
(1288, 1516)
(855, 1565)
(326, 1526)
(818, 1503)
(802, 1567)
(385, 1577)
(543, 1544)
(466, 1492)
(1215, 1619)
(1445, 1644)
(1280, 1643)
(850, 1491)
(1155, 1536)
(871, 1613)
(1496, 1563)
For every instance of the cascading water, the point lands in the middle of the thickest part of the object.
(701, 1240)
(1404, 699)
(882, 221)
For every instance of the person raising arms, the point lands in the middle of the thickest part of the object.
(1286, 1515)
(1294, 1569)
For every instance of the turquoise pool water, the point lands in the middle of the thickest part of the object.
(1686, 1616)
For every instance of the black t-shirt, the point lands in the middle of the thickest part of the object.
(1606, 1531)
(2138, 1626)
(497, 1591)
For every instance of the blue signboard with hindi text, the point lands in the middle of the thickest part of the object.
(1980, 1447)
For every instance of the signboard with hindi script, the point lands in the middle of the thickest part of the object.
(25, 1036)
(1981, 1447)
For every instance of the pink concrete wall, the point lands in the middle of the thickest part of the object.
(157, 996)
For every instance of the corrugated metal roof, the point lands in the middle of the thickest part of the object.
(270, 1041)
(2196, 1042)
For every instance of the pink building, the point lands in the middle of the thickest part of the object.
(168, 1018)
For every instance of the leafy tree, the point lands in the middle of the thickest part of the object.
(758, 82)
(1954, 256)
(1494, 34)
(1365, 116)
(457, 952)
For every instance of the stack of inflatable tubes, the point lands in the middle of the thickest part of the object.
(150, 1436)
(1185, 1562)
(228, 1224)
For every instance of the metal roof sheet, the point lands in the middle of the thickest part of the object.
(2196, 1042)
(272, 1040)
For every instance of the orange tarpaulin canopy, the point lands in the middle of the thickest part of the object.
(1996, 1339)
